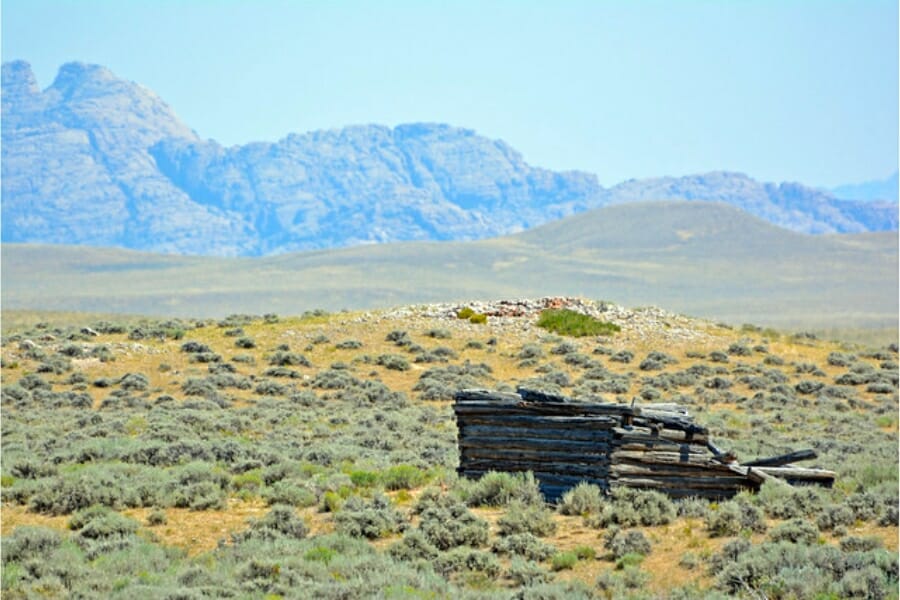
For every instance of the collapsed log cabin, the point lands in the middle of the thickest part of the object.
(564, 442)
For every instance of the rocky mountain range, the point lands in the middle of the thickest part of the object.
(98, 160)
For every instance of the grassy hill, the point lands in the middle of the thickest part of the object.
(314, 456)
(703, 259)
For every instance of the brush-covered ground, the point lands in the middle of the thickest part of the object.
(314, 457)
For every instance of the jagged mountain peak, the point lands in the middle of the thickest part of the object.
(19, 78)
(95, 159)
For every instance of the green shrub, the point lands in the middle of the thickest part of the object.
(498, 488)
(463, 558)
(527, 573)
(619, 542)
(245, 342)
(394, 362)
(731, 517)
(465, 313)
(98, 522)
(402, 477)
(582, 500)
(568, 322)
(157, 516)
(349, 345)
(631, 507)
(563, 560)
(524, 545)
(452, 525)
(438, 334)
(369, 519)
(535, 519)
(478, 319)
(797, 531)
(288, 359)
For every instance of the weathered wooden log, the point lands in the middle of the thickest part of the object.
(684, 470)
(646, 433)
(486, 395)
(500, 418)
(671, 422)
(652, 457)
(593, 447)
(799, 475)
(561, 405)
(663, 445)
(535, 408)
(663, 407)
(782, 459)
(466, 430)
(535, 454)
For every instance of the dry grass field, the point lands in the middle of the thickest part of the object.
(322, 411)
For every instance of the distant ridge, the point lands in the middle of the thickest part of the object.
(887, 189)
(98, 160)
(703, 259)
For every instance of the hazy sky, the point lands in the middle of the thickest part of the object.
(781, 90)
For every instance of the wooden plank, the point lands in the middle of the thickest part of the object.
(782, 459)
(539, 431)
(486, 395)
(674, 422)
(662, 445)
(528, 420)
(797, 473)
(668, 470)
(547, 402)
(534, 408)
(647, 433)
(530, 443)
(652, 457)
(535, 454)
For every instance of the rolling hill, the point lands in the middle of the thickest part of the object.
(704, 259)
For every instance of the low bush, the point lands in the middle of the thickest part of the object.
(571, 323)
(528, 573)
(563, 560)
(630, 507)
(452, 525)
(535, 519)
(582, 500)
(620, 542)
(280, 522)
(402, 477)
(393, 362)
(499, 488)
(369, 519)
(733, 516)
(462, 559)
(524, 545)
(798, 531)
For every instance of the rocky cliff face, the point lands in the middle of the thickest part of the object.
(97, 160)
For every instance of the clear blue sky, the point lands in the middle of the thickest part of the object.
(781, 90)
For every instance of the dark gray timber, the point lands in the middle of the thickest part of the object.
(782, 459)
(563, 442)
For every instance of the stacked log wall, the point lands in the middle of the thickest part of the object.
(562, 443)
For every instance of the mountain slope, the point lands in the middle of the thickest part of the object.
(884, 189)
(703, 259)
(97, 160)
